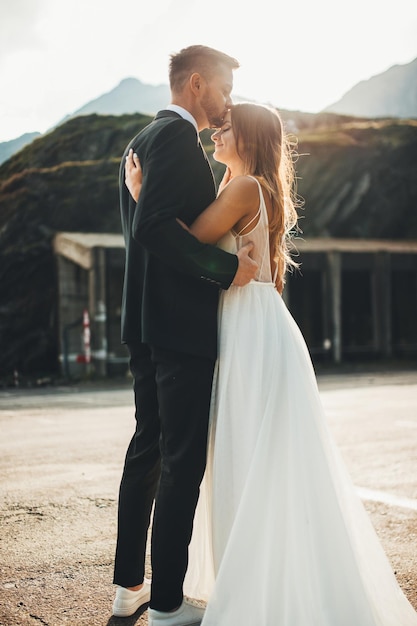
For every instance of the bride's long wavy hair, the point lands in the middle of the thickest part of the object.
(268, 154)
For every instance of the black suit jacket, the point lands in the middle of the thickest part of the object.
(172, 281)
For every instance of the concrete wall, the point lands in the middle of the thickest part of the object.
(356, 305)
(95, 290)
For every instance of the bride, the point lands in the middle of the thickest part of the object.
(280, 536)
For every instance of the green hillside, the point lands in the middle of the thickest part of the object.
(357, 178)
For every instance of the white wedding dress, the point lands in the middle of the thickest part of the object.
(280, 536)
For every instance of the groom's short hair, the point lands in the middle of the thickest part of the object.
(201, 59)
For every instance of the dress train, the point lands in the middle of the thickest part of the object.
(281, 537)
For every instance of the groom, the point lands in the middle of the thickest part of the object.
(169, 323)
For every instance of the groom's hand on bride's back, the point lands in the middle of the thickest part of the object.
(247, 267)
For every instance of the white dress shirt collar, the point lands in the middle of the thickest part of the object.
(186, 115)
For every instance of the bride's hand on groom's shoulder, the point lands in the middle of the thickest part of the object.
(133, 174)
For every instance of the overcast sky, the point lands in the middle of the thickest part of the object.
(56, 55)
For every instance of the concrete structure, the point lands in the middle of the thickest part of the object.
(352, 299)
(90, 278)
(356, 298)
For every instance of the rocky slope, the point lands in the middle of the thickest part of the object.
(357, 178)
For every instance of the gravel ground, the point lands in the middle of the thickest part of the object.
(61, 454)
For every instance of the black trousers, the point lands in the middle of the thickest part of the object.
(165, 463)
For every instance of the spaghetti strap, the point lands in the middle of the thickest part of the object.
(250, 222)
(258, 235)
(258, 213)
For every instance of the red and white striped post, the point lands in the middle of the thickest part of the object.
(86, 337)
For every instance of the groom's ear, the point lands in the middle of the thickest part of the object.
(195, 83)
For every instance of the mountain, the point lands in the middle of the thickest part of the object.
(7, 148)
(129, 96)
(390, 94)
(357, 178)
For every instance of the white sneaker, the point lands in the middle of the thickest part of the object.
(187, 615)
(127, 601)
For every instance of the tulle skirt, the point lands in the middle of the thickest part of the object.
(280, 536)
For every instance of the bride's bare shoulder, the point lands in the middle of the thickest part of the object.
(242, 188)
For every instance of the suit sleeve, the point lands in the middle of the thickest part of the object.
(166, 175)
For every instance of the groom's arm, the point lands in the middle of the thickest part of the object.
(166, 174)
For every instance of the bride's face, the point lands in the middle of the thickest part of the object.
(224, 143)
